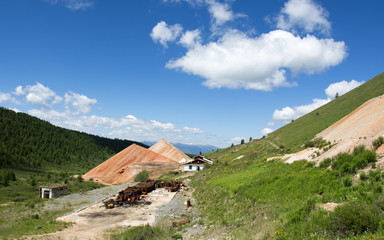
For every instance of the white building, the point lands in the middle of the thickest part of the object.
(196, 164)
(53, 191)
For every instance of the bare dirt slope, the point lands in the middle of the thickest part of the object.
(360, 127)
(166, 149)
(124, 166)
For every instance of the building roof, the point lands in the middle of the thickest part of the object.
(199, 160)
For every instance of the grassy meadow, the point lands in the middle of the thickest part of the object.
(252, 198)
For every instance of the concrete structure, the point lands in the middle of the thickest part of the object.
(196, 164)
(53, 191)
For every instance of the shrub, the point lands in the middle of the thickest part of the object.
(325, 163)
(144, 233)
(142, 176)
(347, 181)
(353, 219)
(378, 142)
(363, 176)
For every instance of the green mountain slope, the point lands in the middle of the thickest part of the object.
(26, 141)
(247, 197)
(305, 128)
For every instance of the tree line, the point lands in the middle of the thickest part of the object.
(27, 141)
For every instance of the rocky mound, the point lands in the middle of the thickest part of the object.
(124, 166)
(166, 149)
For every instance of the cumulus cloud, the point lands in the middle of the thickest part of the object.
(266, 131)
(73, 4)
(19, 91)
(303, 14)
(341, 88)
(239, 61)
(287, 113)
(164, 33)
(39, 94)
(190, 39)
(220, 12)
(80, 102)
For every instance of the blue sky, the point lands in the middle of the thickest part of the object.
(190, 71)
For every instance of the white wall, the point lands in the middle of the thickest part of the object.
(193, 167)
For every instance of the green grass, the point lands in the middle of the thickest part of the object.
(145, 233)
(294, 134)
(269, 199)
(22, 208)
(21, 219)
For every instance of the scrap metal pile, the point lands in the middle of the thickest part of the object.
(137, 193)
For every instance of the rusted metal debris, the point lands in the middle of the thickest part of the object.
(176, 224)
(132, 195)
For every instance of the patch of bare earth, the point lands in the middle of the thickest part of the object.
(361, 127)
(93, 222)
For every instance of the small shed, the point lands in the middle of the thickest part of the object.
(53, 191)
(196, 164)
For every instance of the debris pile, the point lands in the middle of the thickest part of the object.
(137, 194)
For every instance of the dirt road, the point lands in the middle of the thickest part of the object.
(92, 222)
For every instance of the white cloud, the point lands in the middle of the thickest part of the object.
(190, 39)
(40, 95)
(73, 4)
(80, 102)
(19, 91)
(164, 33)
(303, 14)
(6, 97)
(288, 114)
(162, 126)
(193, 130)
(341, 88)
(239, 61)
(220, 12)
(266, 131)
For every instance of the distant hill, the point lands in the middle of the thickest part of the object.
(27, 141)
(186, 148)
(294, 134)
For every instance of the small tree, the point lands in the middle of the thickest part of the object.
(242, 141)
(250, 139)
(79, 178)
(142, 176)
(337, 95)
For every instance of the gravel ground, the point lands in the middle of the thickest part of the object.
(85, 199)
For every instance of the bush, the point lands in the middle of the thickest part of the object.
(325, 163)
(353, 219)
(378, 142)
(363, 176)
(142, 176)
(144, 233)
(347, 181)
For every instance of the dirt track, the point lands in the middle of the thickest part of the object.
(92, 222)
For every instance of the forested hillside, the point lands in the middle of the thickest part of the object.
(26, 141)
